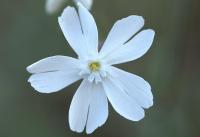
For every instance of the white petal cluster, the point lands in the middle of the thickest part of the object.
(128, 94)
(53, 6)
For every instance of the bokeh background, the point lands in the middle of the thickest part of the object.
(172, 66)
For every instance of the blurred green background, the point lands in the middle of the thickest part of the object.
(171, 66)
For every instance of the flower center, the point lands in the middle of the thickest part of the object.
(94, 66)
(93, 70)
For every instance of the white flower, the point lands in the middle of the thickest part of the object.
(53, 6)
(128, 94)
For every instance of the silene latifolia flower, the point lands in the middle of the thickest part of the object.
(53, 6)
(128, 94)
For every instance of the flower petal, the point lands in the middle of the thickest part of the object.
(50, 82)
(53, 6)
(136, 87)
(133, 49)
(71, 28)
(79, 107)
(89, 107)
(121, 32)
(54, 63)
(86, 3)
(121, 102)
(98, 111)
(89, 28)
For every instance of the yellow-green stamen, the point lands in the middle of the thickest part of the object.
(94, 66)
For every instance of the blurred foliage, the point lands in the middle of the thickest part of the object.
(172, 67)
